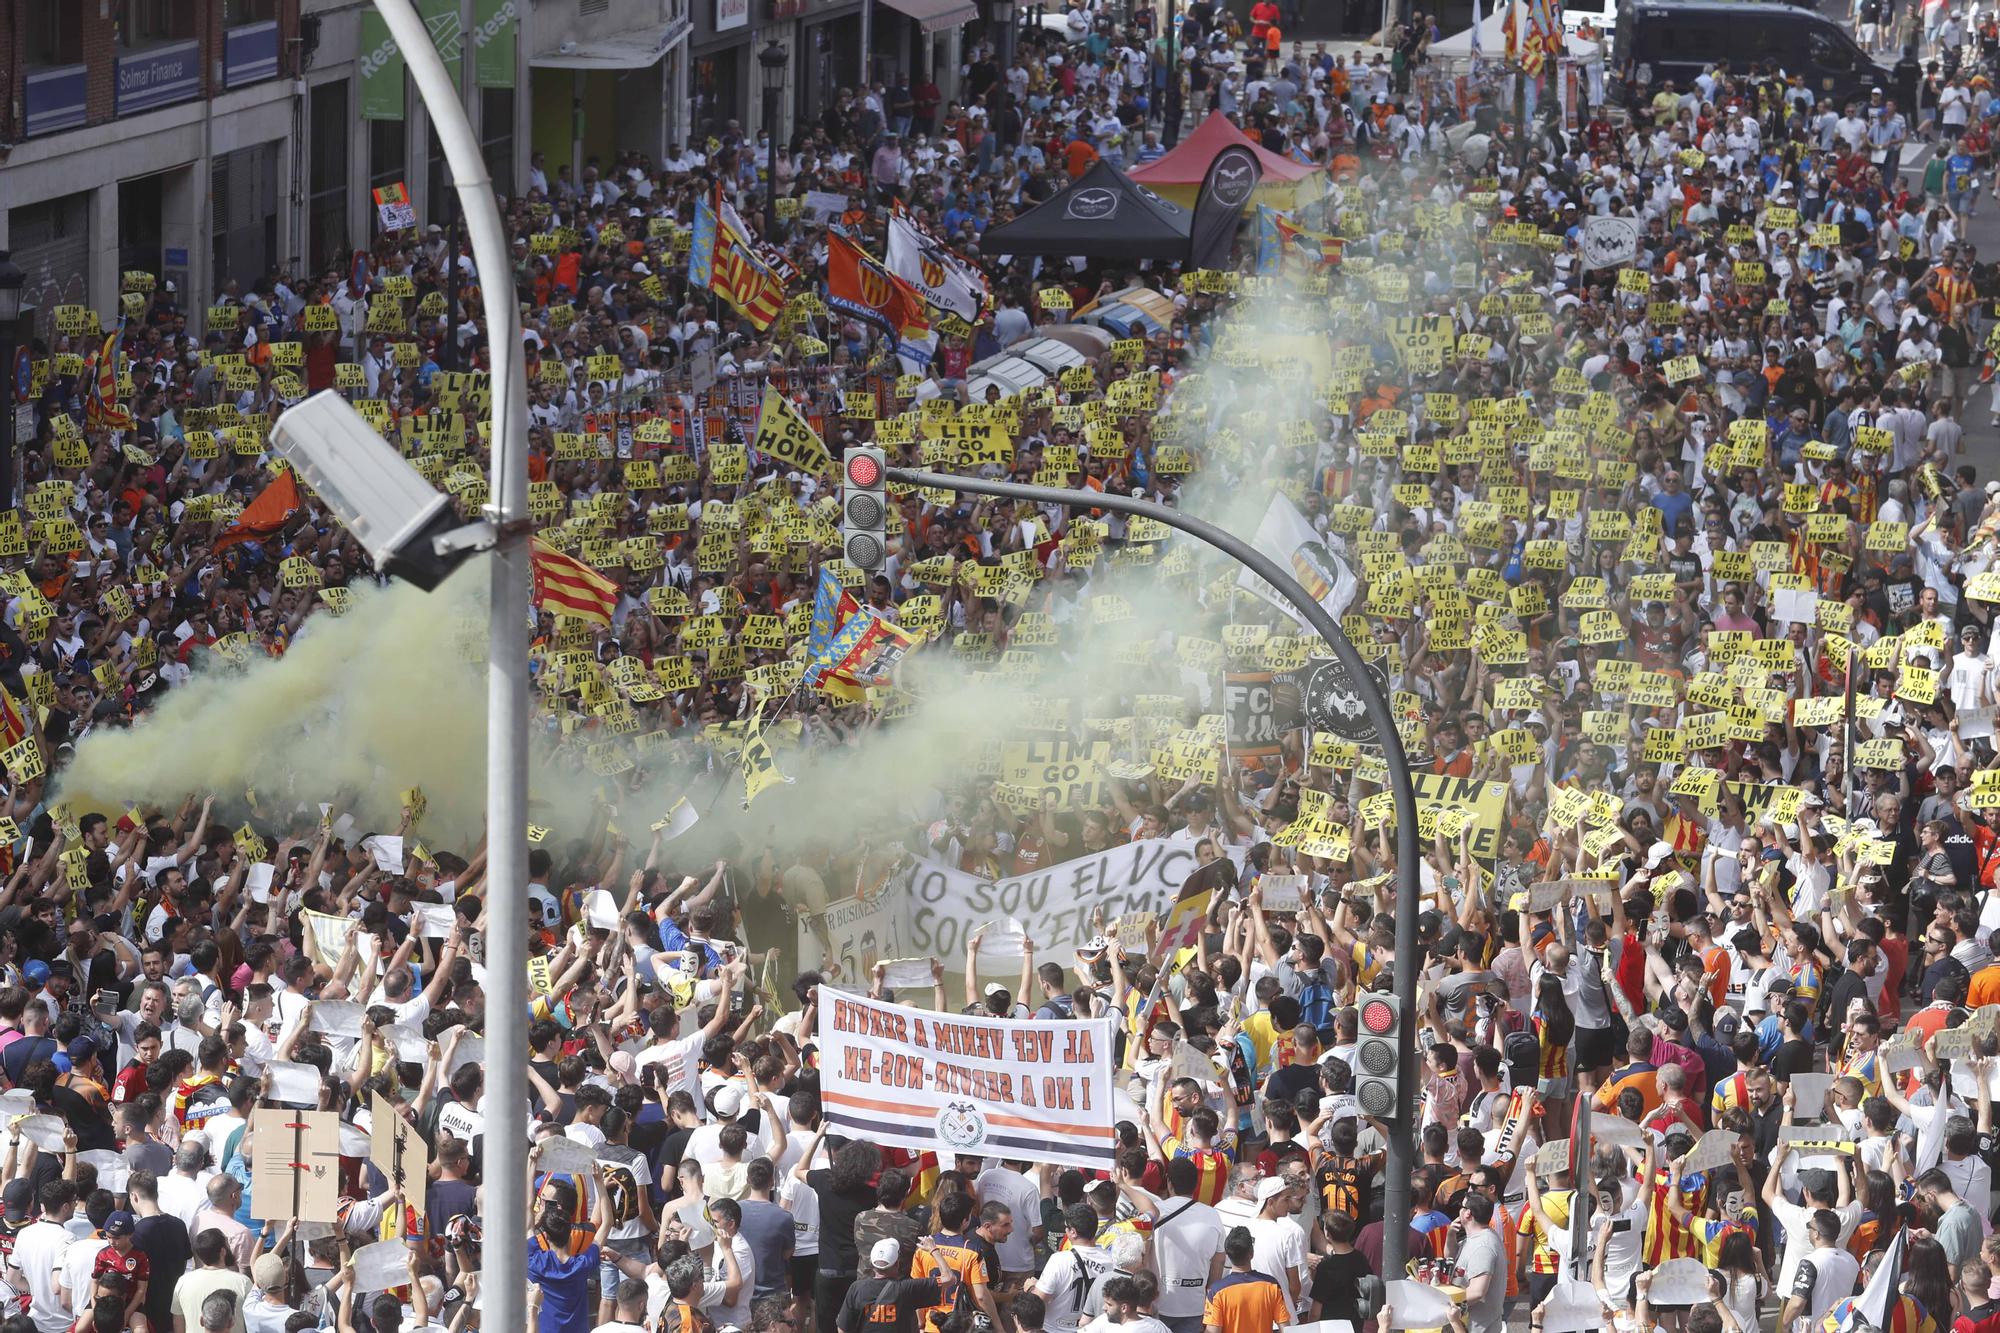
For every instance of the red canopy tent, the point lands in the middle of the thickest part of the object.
(1178, 175)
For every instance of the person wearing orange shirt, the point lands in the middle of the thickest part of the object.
(1262, 15)
(952, 1247)
(1640, 1074)
(1077, 156)
(1244, 1300)
(1984, 988)
(1714, 959)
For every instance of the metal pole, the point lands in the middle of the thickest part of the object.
(771, 164)
(8, 440)
(1170, 100)
(1402, 1141)
(868, 60)
(450, 358)
(503, 1278)
(1847, 743)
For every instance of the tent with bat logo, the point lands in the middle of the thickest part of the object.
(1103, 215)
(1179, 174)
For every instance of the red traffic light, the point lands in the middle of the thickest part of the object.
(1377, 1017)
(863, 470)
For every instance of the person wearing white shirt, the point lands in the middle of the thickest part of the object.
(184, 1190)
(38, 1256)
(1972, 686)
(1281, 1243)
(1009, 1184)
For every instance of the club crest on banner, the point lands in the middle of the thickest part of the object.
(961, 1126)
(875, 289)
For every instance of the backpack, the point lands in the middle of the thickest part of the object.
(621, 1193)
(1523, 1052)
(1316, 1002)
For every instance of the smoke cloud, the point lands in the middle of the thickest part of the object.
(392, 694)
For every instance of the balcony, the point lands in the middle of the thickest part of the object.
(158, 76)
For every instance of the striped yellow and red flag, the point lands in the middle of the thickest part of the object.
(13, 722)
(568, 587)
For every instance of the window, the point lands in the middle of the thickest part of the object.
(440, 183)
(248, 11)
(52, 33)
(496, 137)
(1828, 52)
(327, 176)
(388, 153)
(144, 23)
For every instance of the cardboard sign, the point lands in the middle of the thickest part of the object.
(295, 1162)
(396, 1149)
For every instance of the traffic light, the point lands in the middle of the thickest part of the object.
(864, 508)
(1377, 1051)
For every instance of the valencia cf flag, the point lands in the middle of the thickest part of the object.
(861, 288)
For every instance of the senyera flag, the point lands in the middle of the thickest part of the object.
(1037, 1090)
(568, 587)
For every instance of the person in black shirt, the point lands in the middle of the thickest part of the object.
(882, 1304)
(163, 1239)
(1795, 1053)
(1286, 1083)
(1336, 1284)
(843, 1193)
(1852, 984)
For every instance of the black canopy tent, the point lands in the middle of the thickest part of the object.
(1104, 214)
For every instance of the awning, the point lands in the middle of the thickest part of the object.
(936, 15)
(626, 50)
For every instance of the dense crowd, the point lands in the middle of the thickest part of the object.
(1664, 538)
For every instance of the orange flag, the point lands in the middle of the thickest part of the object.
(265, 515)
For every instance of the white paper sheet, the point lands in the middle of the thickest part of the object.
(907, 974)
(294, 1082)
(433, 921)
(600, 909)
(387, 849)
(337, 1018)
(383, 1265)
(1417, 1305)
(257, 879)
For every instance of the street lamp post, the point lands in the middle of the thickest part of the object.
(772, 61)
(503, 1283)
(1401, 1165)
(12, 282)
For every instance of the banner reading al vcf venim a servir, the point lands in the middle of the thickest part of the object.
(1034, 1091)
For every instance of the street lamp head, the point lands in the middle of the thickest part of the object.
(12, 282)
(772, 60)
(392, 511)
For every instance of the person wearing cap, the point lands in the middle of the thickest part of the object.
(1281, 1243)
(122, 1259)
(879, 1302)
(267, 1308)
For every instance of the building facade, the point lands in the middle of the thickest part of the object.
(214, 142)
